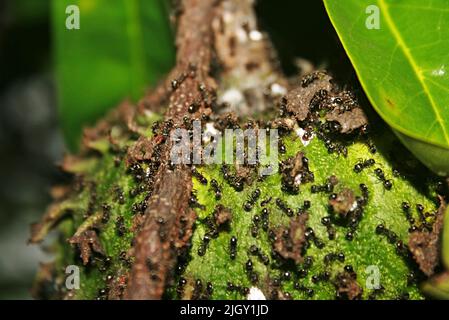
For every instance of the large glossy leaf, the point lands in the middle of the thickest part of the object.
(403, 67)
(122, 47)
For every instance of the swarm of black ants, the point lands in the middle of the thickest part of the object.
(344, 121)
(335, 118)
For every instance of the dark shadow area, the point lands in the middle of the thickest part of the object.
(30, 142)
(302, 29)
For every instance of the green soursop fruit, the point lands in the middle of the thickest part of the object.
(349, 214)
(341, 231)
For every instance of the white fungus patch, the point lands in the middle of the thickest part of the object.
(354, 206)
(149, 113)
(255, 35)
(278, 90)
(211, 129)
(255, 294)
(241, 35)
(227, 17)
(297, 180)
(232, 97)
(209, 132)
(300, 133)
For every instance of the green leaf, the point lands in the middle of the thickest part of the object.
(403, 68)
(121, 48)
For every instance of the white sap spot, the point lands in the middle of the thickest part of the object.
(298, 180)
(255, 35)
(209, 132)
(233, 97)
(278, 90)
(210, 128)
(149, 113)
(242, 35)
(255, 294)
(439, 72)
(300, 132)
(354, 206)
(227, 17)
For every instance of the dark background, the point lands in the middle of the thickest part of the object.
(30, 139)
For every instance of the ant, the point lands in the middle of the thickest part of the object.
(283, 206)
(359, 166)
(388, 184)
(233, 247)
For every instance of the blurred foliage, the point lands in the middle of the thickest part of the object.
(29, 139)
(121, 48)
(29, 11)
(19, 19)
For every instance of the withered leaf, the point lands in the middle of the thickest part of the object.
(87, 242)
(290, 241)
(425, 245)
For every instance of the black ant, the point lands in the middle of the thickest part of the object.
(365, 191)
(282, 148)
(248, 205)
(106, 213)
(331, 231)
(318, 100)
(254, 231)
(193, 202)
(233, 247)
(120, 226)
(264, 217)
(328, 187)
(388, 184)
(310, 78)
(310, 235)
(265, 202)
(199, 176)
(359, 166)
(216, 188)
(175, 83)
(309, 291)
(119, 195)
(283, 206)
(233, 181)
(203, 246)
(193, 107)
(305, 207)
(322, 277)
(331, 257)
(390, 235)
(406, 208)
(255, 251)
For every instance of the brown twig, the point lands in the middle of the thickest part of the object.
(188, 83)
(203, 37)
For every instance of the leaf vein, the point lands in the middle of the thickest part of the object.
(397, 35)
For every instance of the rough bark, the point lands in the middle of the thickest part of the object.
(205, 32)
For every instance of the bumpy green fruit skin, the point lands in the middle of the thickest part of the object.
(105, 171)
(366, 249)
